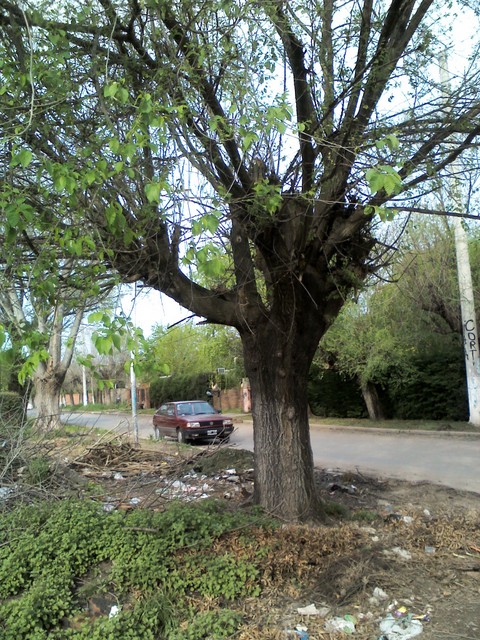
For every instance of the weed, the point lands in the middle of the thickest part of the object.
(336, 509)
(364, 515)
(38, 470)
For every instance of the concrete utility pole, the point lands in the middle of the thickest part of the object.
(133, 397)
(133, 378)
(84, 383)
(464, 274)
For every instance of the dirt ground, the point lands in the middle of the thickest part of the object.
(392, 551)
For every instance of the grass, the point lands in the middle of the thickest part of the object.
(80, 408)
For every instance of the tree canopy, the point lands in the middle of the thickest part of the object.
(274, 132)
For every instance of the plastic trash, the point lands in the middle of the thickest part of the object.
(378, 596)
(345, 624)
(394, 629)
(402, 553)
(310, 610)
(299, 633)
(5, 492)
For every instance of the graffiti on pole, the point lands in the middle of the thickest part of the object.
(470, 340)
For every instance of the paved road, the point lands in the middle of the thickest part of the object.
(441, 458)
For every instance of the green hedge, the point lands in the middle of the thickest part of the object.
(333, 395)
(437, 390)
(179, 387)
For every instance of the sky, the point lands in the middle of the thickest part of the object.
(150, 308)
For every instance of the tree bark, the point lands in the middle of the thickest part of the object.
(372, 401)
(277, 368)
(48, 386)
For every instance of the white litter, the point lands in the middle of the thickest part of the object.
(393, 629)
(310, 610)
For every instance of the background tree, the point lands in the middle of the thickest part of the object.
(278, 128)
(414, 318)
(44, 293)
(190, 348)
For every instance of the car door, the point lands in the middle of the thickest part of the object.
(170, 420)
(160, 420)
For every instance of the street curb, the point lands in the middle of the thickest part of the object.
(418, 432)
(378, 430)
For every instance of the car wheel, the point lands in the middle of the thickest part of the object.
(180, 436)
(225, 440)
(157, 433)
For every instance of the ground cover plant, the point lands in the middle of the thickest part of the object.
(151, 561)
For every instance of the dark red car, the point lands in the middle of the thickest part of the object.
(191, 420)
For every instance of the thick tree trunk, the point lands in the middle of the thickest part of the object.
(372, 401)
(277, 368)
(47, 401)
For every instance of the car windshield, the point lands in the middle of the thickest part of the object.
(202, 407)
(185, 409)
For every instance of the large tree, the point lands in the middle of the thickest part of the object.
(274, 131)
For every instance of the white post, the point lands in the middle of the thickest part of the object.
(133, 394)
(464, 274)
(469, 322)
(84, 380)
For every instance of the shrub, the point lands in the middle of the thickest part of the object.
(11, 408)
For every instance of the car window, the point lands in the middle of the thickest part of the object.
(203, 407)
(162, 410)
(184, 409)
(170, 410)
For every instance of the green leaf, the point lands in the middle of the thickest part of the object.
(25, 157)
(152, 191)
(123, 95)
(90, 177)
(249, 137)
(95, 317)
(110, 90)
(13, 215)
(114, 144)
(391, 141)
(59, 182)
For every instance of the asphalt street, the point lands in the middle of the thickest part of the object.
(451, 460)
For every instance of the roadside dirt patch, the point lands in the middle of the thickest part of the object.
(390, 550)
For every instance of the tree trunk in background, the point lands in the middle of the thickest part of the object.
(48, 385)
(372, 401)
